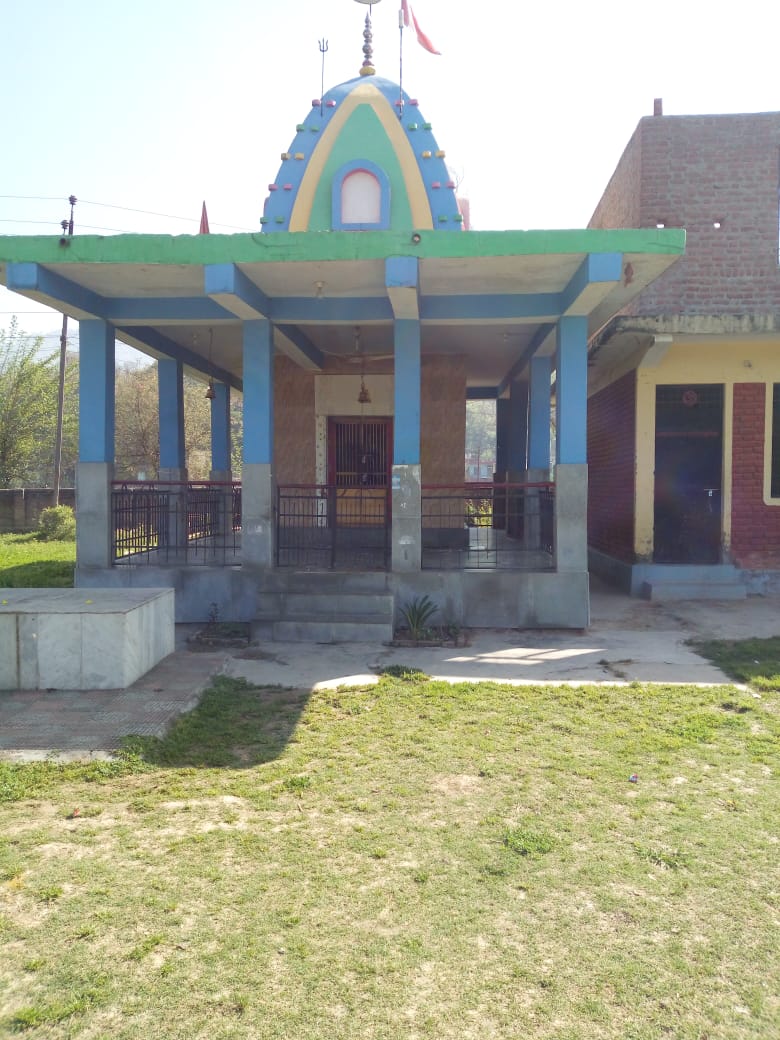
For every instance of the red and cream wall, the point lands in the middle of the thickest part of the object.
(621, 445)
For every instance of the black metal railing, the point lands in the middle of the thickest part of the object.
(484, 525)
(325, 527)
(175, 522)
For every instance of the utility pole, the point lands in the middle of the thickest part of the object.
(67, 230)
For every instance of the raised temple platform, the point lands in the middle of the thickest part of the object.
(82, 639)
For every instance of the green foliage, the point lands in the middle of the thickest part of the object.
(527, 839)
(28, 410)
(417, 615)
(57, 524)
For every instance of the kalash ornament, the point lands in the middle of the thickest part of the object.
(367, 69)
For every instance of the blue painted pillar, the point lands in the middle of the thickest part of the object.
(539, 414)
(257, 477)
(571, 362)
(571, 470)
(406, 428)
(170, 393)
(220, 429)
(95, 470)
(258, 392)
(96, 391)
(406, 537)
(518, 430)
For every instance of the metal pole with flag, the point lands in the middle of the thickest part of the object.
(407, 14)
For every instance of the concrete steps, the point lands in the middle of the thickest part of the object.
(327, 617)
(689, 582)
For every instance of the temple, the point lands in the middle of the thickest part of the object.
(356, 324)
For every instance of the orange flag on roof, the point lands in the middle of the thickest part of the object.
(204, 221)
(422, 39)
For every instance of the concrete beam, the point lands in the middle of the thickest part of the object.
(299, 348)
(164, 310)
(492, 307)
(402, 280)
(38, 283)
(154, 343)
(228, 286)
(595, 278)
(539, 338)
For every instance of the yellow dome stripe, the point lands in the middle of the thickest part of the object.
(363, 93)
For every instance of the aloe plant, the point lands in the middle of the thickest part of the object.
(417, 614)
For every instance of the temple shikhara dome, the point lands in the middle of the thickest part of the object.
(363, 159)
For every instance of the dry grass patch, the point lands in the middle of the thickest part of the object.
(405, 860)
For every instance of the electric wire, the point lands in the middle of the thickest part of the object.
(107, 205)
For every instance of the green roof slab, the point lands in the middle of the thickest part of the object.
(488, 296)
(292, 247)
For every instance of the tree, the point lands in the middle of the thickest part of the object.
(137, 422)
(481, 434)
(28, 402)
(137, 425)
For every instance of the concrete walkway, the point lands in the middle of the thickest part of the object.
(628, 640)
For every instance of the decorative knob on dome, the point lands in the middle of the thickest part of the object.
(367, 68)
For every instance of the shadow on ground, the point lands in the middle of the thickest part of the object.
(235, 725)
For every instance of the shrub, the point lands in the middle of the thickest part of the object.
(57, 524)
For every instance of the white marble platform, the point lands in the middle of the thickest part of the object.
(82, 639)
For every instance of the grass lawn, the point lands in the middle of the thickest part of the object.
(410, 860)
(26, 562)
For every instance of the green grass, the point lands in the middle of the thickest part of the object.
(404, 860)
(27, 562)
(754, 661)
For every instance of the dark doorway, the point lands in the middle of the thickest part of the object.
(688, 473)
(359, 452)
(360, 455)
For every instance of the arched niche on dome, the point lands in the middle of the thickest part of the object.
(361, 197)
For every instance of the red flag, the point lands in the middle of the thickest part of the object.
(204, 221)
(422, 39)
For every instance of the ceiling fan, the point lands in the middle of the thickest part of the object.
(359, 357)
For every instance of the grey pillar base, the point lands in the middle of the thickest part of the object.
(407, 522)
(533, 508)
(94, 541)
(225, 517)
(177, 504)
(571, 517)
(258, 492)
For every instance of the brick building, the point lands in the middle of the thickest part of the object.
(684, 385)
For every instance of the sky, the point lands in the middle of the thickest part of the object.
(158, 105)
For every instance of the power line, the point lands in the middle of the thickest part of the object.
(92, 227)
(36, 198)
(109, 205)
(152, 213)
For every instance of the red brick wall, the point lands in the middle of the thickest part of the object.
(620, 204)
(294, 423)
(691, 172)
(755, 527)
(611, 426)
